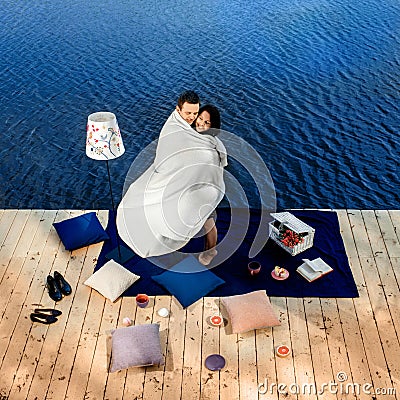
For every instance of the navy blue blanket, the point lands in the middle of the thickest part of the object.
(328, 245)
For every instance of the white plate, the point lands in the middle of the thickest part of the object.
(163, 312)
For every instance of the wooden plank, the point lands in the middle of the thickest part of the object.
(192, 353)
(389, 233)
(99, 372)
(83, 329)
(136, 376)
(300, 344)
(388, 366)
(11, 241)
(385, 268)
(175, 352)
(16, 327)
(336, 347)
(395, 217)
(352, 333)
(90, 330)
(70, 324)
(248, 379)
(77, 386)
(354, 344)
(383, 288)
(228, 347)
(209, 379)
(76, 309)
(393, 303)
(7, 220)
(372, 314)
(154, 379)
(360, 234)
(284, 366)
(374, 233)
(370, 296)
(18, 259)
(392, 295)
(30, 362)
(116, 381)
(319, 347)
(346, 231)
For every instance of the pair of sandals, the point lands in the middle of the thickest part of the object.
(45, 315)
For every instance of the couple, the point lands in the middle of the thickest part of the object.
(176, 197)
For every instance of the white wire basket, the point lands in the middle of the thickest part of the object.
(289, 221)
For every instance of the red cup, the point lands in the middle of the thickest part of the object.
(254, 267)
(142, 300)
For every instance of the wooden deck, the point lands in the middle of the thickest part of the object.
(355, 338)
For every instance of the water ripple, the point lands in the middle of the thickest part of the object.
(313, 85)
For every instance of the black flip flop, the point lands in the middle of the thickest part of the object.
(51, 311)
(43, 318)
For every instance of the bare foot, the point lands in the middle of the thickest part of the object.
(207, 256)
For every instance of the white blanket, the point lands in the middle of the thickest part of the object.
(169, 204)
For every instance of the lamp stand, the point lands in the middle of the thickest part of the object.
(120, 254)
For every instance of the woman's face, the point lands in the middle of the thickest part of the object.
(203, 122)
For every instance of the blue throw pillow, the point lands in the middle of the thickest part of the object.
(188, 286)
(80, 231)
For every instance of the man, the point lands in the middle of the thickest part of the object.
(188, 106)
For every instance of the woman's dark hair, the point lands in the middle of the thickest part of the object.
(215, 117)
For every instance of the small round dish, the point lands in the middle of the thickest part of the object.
(282, 277)
(282, 350)
(215, 362)
(216, 320)
(163, 312)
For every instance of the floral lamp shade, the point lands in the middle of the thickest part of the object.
(103, 140)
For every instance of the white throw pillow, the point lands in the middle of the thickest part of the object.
(111, 280)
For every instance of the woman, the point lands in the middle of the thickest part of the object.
(208, 122)
(207, 118)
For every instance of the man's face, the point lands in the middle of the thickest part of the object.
(188, 112)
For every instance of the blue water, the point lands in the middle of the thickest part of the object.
(312, 85)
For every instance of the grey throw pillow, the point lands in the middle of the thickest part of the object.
(136, 346)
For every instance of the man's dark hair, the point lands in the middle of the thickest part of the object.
(188, 97)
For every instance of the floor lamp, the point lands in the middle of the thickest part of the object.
(104, 143)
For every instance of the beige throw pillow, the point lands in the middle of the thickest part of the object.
(250, 311)
(111, 280)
